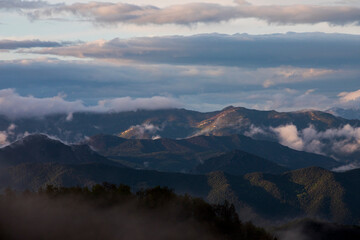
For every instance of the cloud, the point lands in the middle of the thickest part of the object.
(69, 117)
(130, 104)
(291, 100)
(113, 13)
(4, 135)
(3, 138)
(145, 130)
(347, 167)
(254, 131)
(303, 14)
(337, 142)
(348, 100)
(288, 136)
(191, 13)
(12, 44)
(196, 86)
(20, 4)
(306, 50)
(349, 96)
(13, 105)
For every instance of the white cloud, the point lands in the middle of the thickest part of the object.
(3, 138)
(349, 96)
(11, 127)
(288, 136)
(4, 135)
(13, 105)
(347, 167)
(145, 130)
(69, 117)
(254, 131)
(341, 141)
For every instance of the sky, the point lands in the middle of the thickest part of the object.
(203, 55)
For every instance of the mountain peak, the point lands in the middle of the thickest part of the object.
(40, 148)
(228, 108)
(238, 162)
(35, 139)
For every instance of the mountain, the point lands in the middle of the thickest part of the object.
(32, 176)
(309, 192)
(259, 197)
(240, 119)
(345, 113)
(239, 163)
(39, 148)
(311, 129)
(185, 154)
(170, 123)
(38, 160)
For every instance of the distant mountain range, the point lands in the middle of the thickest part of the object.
(238, 162)
(233, 154)
(181, 123)
(186, 154)
(38, 160)
(40, 148)
(346, 113)
(171, 123)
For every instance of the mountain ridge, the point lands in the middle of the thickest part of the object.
(40, 148)
(199, 148)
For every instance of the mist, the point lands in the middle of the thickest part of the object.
(40, 217)
(15, 106)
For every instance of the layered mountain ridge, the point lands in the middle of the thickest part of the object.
(312, 191)
(188, 153)
(171, 123)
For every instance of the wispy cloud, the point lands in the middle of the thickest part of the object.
(346, 97)
(313, 50)
(192, 13)
(13, 44)
(13, 105)
(20, 4)
(198, 87)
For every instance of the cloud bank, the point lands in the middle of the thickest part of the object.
(20, 4)
(313, 50)
(12, 44)
(13, 105)
(335, 142)
(342, 143)
(191, 13)
(196, 86)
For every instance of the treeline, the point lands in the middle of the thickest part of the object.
(108, 211)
